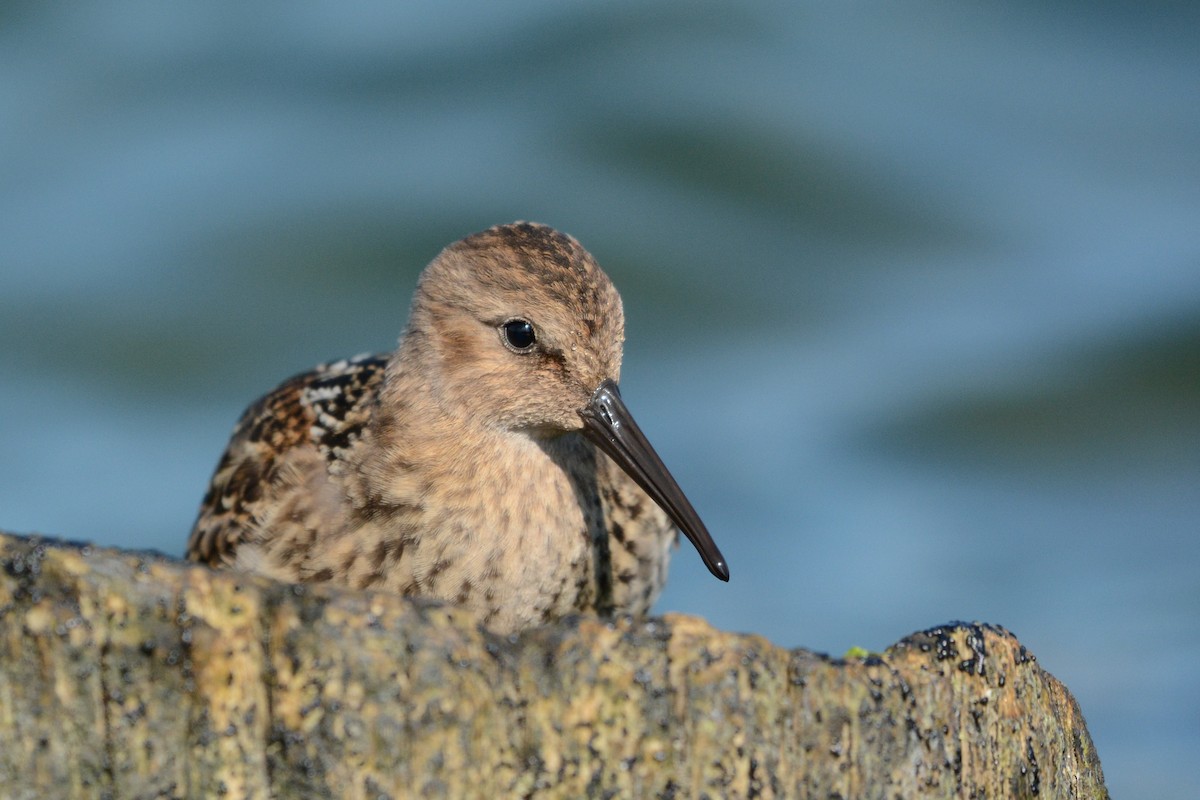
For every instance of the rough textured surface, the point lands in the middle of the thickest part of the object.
(129, 675)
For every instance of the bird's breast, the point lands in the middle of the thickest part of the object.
(519, 535)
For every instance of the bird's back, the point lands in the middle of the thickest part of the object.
(318, 414)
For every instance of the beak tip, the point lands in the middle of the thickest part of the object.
(721, 570)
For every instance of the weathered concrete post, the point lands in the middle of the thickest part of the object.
(130, 675)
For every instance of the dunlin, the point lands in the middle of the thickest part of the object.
(489, 461)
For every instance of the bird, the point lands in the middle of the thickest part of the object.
(489, 462)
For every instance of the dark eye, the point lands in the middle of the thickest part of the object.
(519, 334)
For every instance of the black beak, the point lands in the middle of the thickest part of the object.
(608, 423)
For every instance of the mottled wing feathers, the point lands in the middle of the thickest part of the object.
(326, 408)
(340, 398)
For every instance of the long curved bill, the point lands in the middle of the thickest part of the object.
(608, 423)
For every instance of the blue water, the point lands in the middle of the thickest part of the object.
(913, 293)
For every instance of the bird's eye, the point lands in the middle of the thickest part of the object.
(519, 334)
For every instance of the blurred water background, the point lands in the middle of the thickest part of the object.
(913, 292)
